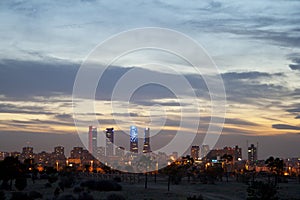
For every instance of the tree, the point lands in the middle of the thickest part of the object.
(276, 166)
(10, 169)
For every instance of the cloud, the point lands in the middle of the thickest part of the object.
(64, 117)
(18, 109)
(240, 122)
(295, 65)
(131, 114)
(285, 127)
(293, 110)
(27, 79)
(248, 75)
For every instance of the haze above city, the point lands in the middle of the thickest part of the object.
(256, 47)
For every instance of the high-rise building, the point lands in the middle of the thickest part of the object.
(76, 152)
(44, 159)
(252, 153)
(59, 151)
(195, 152)
(134, 139)
(100, 153)
(204, 150)
(221, 154)
(238, 153)
(27, 152)
(146, 147)
(120, 151)
(92, 146)
(109, 141)
(3, 155)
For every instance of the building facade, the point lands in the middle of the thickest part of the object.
(146, 147)
(134, 139)
(252, 153)
(92, 139)
(109, 132)
(195, 152)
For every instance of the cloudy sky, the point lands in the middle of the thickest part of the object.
(256, 47)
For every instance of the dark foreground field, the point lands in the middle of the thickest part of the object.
(219, 190)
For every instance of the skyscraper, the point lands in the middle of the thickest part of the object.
(59, 152)
(146, 147)
(27, 152)
(195, 152)
(92, 146)
(204, 150)
(120, 151)
(134, 139)
(109, 141)
(252, 153)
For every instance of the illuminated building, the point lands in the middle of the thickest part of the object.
(109, 141)
(146, 147)
(217, 154)
(238, 153)
(59, 152)
(92, 139)
(27, 152)
(45, 159)
(15, 154)
(252, 153)
(134, 139)
(100, 153)
(120, 151)
(195, 152)
(204, 150)
(3, 155)
(77, 152)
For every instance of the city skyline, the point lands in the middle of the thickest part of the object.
(255, 46)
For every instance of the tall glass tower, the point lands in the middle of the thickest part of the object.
(146, 147)
(134, 139)
(109, 141)
(92, 139)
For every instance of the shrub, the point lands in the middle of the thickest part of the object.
(77, 189)
(260, 190)
(52, 178)
(66, 182)
(102, 185)
(21, 183)
(35, 195)
(19, 196)
(115, 197)
(117, 179)
(2, 195)
(66, 197)
(200, 197)
(85, 196)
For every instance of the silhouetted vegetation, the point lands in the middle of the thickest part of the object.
(20, 196)
(276, 167)
(21, 183)
(2, 195)
(35, 195)
(115, 197)
(102, 185)
(261, 191)
(200, 197)
(85, 196)
(10, 169)
(66, 197)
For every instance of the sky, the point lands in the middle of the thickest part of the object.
(255, 46)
